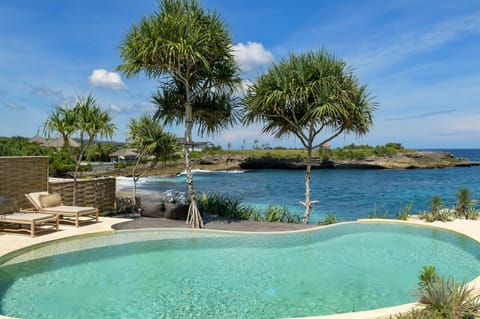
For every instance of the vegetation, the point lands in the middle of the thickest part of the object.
(329, 219)
(100, 151)
(225, 206)
(405, 212)
(151, 142)
(309, 95)
(190, 50)
(464, 203)
(441, 298)
(85, 120)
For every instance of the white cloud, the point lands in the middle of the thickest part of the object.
(251, 55)
(116, 108)
(15, 106)
(104, 78)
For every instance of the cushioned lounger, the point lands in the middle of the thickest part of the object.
(51, 203)
(13, 220)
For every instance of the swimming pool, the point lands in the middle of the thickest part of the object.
(197, 274)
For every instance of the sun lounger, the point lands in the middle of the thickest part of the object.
(13, 219)
(52, 204)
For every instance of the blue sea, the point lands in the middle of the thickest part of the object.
(349, 193)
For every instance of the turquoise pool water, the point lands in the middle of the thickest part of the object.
(187, 274)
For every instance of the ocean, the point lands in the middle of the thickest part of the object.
(348, 193)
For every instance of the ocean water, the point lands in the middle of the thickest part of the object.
(349, 193)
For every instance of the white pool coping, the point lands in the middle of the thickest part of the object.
(10, 243)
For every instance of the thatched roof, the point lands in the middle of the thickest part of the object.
(52, 142)
(125, 152)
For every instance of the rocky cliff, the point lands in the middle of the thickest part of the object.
(400, 161)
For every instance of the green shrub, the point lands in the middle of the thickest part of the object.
(222, 205)
(442, 299)
(464, 202)
(378, 212)
(403, 214)
(275, 213)
(329, 219)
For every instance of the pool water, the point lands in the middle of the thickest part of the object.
(195, 274)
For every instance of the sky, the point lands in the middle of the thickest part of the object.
(419, 58)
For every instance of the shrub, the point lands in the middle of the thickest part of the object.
(329, 219)
(403, 214)
(464, 202)
(233, 207)
(274, 213)
(442, 299)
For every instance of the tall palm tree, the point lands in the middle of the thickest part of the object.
(148, 138)
(86, 121)
(190, 50)
(311, 96)
(63, 121)
(92, 123)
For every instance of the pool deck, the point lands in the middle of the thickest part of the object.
(10, 242)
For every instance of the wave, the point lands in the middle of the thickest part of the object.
(205, 171)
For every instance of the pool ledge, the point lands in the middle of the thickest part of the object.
(13, 243)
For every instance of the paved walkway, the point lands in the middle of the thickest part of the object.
(212, 222)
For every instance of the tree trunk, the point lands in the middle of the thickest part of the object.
(308, 203)
(75, 174)
(135, 180)
(194, 218)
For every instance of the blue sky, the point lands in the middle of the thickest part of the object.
(421, 59)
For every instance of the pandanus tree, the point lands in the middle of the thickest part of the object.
(313, 96)
(151, 143)
(86, 121)
(190, 51)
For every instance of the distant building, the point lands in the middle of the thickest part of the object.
(124, 155)
(195, 146)
(52, 142)
(326, 146)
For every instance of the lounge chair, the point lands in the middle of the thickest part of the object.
(13, 219)
(52, 204)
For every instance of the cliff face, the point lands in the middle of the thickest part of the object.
(401, 161)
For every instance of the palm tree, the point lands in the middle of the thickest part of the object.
(310, 95)
(85, 120)
(92, 123)
(190, 50)
(148, 138)
(63, 121)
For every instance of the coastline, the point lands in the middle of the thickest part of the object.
(235, 162)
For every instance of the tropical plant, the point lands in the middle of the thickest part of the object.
(86, 121)
(464, 202)
(436, 205)
(329, 219)
(403, 214)
(447, 298)
(190, 50)
(443, 298)
(309, 95)
(151, 142)
(426, 276)
(275, 213)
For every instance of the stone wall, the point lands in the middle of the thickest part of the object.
(23, 174)
(20, 175)
(97, 192)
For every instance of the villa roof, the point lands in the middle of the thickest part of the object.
(52, 142)
(124, 152)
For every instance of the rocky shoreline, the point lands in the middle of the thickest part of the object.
(229, 162)
(411, 160)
